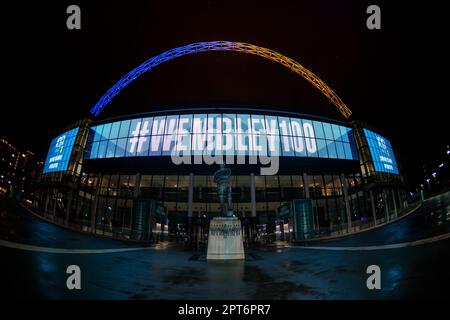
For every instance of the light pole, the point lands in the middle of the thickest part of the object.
(429, 186)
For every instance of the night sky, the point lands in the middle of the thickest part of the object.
(392, 78)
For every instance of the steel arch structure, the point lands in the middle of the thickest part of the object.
(221, 46)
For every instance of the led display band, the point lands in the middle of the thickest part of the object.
(228, 134)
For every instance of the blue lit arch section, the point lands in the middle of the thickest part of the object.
(221, 46)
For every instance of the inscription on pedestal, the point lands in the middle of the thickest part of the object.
(225, 239)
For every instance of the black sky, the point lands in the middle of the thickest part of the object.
(393, 78)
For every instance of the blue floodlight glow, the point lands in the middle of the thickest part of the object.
(382, 153)
(58, 155)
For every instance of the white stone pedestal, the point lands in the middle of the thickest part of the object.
(225, 239)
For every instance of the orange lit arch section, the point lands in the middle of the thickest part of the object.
(221, 46)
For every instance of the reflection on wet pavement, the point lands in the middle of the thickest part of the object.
(171, 272)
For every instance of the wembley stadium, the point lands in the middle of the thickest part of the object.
(149, 176)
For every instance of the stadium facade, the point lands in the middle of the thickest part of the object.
(146, 176)
(118, 177)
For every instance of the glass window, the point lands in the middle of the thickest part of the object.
(243, 181)
(351, 180)
(183, 144)
(348, 151)
(124, 128)
(124, 181)
(260, 182)
(332, 153)
(351, 135)
(98, 132)
(183, 181)
(171, 125)
(328, 181)
(258, 125)
(171, 182)
(131, 146)
(311, 147)
(135, 128)
(319, 189)
(105, 181)
(121, 147)
(106, 131)
(242, 144)
(158, 181)
(273, 145)
(355, 155)
(299, 146)
(214, 123)
(287, 146)
(337, 185)
(185, 124)
(199, 124)
(143, 146)
(271, 125)
(102, 149)
(155, 145)
(114, 181)
(272, 182)
(146, 126)
(111, 148)
(285, 181)
(259, 143)
(198, 140)
(322, 148)
(228, 123)
(146, 181)
(92, 181)
(243, 123)
(340, 150)
(344, 133)
(297, 127)
(336, 132)
(168, 144)
(328, 131)
(297, 181)
(318, 130)
(132, 182)
(199, 181)
(114, 130)
(285, 128)
(93, 151)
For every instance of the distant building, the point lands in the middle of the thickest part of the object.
(436, 173)
(8, 155)
(18, 170)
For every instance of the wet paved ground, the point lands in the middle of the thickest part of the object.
(171, 272)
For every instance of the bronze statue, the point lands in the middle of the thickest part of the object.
(222, 178)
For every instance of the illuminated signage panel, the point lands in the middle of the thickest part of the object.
(221, 134)
(59, 153)
(382, 153)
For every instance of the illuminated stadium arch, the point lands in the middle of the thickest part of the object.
(221, 46)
